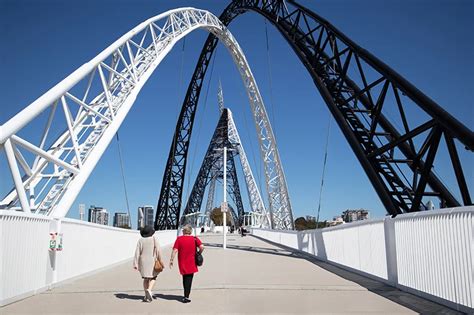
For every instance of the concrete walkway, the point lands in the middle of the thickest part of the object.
(251, 277)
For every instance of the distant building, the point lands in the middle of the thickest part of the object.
(335, 221)
(430, 205)
(122, 220)
(355, 215)
(310, 218)
(98, 215)
(82, 211)
(146, 216)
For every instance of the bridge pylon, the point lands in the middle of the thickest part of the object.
(225, 135)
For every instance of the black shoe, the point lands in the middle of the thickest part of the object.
(185, 300)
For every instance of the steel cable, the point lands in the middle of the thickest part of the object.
(123, 180)
(324, 171)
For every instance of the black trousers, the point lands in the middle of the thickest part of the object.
(187, 282)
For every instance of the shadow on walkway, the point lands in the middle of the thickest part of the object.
(262, 250)
(408, 300)
(128, 296)
(170, 297)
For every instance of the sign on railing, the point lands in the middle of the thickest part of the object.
(56, 242)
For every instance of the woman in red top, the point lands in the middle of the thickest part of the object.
(185, 247)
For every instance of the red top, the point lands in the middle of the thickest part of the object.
(186, 253)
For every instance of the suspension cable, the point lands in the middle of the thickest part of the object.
(199, 127)
(180, 84)
(324, 171)
(270, 78)
(259, 165)
(123, 180)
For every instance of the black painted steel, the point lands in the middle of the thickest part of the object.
(169, 202)
(212, 164)
(356, 87)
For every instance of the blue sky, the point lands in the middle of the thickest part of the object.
(428, 42)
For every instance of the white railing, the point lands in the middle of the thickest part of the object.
(27, 266)
(426, 253)
(435, 255)
(24, 256)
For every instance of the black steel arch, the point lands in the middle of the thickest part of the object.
(397, 162)
(210, 167)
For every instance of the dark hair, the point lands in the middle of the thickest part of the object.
(147, 231)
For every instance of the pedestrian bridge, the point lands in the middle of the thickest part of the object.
(414, 263)
(251, 276)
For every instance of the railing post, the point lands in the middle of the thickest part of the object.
(54, 227)
(391, 250)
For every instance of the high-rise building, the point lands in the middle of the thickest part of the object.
(355, 215)
(122, 220)
(145, 216)
(98, 215)
(82, 211)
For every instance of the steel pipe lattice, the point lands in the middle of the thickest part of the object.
(94, 101)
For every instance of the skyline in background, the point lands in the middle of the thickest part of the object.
(425, 41)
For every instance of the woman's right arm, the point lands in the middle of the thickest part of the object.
(173, 254)
(137, 255)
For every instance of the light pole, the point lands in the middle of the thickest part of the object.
(224, 206)
(224, 203)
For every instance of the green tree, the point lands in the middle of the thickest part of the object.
(217, 217)
(302, 224)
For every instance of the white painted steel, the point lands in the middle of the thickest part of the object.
(435, 254)
(256, 202)
(24, 258)
(20, 189)
(104, 104)
(358, 246)
(427, 253)
(210, 199)
(93, 241)
(28, 267)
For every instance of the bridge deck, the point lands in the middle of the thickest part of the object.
(252, 276)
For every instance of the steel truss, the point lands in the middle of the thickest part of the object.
(90, 105)
(225, 135)
(169, 203)
(212, 167)
(259, 212)
(210, 200)
(358, 89)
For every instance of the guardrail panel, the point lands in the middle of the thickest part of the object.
(28, 267)
(434, 255)
(23, 254)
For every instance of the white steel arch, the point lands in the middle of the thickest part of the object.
(256, 203)
(95, 100)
